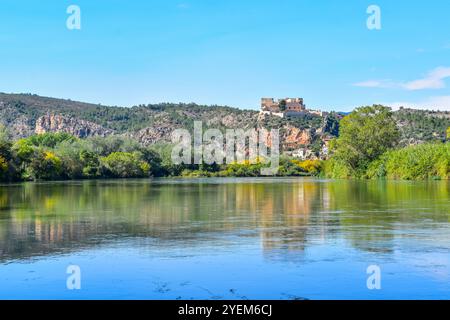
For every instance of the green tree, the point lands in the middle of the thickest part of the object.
(331, 124)
(50, 139)
(166, 166)
(365, 135)
(154, 160)
(125, 165)
(45, 165)
(91, 164)
(3, 169)
(104, 146)
(282, 105)
(69, 153)
(6, 156)
(24, 150)
(5, 149)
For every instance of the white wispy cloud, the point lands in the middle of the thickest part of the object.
(441, 103)
(373, 84)
(435, 79)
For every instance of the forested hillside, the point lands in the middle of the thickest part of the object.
(421, 125)
(27, 114)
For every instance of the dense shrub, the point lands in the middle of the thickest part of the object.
(49, 139)
(3, 169)
(337, 169)
(313, 167)
(125, 165)
(242, 169)
(45, 165)
(425, 161)
(60, 156)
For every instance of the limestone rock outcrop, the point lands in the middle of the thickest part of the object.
(76, 127)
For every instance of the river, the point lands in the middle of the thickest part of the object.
(225, 238)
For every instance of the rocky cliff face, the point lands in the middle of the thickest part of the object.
(151, 135)
(76, 127)
(291, 138)
(296, 137)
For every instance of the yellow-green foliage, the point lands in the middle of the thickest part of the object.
(45, 165)
(125, 164)
(310, 166)
(425, 161)
(51, 157)
(242, 169)
(23, 149)
(3, 165)
(145, 167)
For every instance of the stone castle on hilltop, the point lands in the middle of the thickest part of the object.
(286, 107)
(287, 104)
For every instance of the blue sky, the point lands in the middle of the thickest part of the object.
(229, 52)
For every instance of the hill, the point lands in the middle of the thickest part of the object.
(27, 114)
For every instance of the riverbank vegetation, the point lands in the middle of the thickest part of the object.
(368, 147)
(60, 156)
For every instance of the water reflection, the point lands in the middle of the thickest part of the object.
(285, 215)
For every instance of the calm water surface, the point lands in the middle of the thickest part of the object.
(264, 238)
